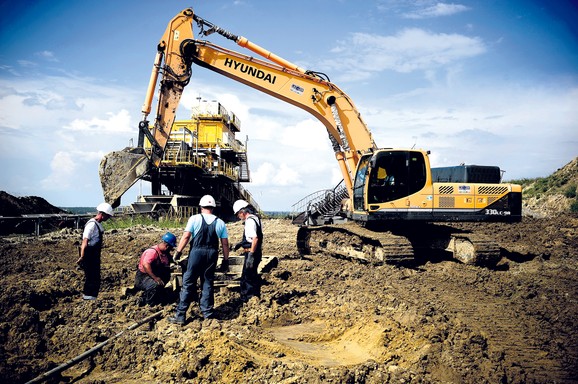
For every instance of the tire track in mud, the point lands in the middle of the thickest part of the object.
(514, 335)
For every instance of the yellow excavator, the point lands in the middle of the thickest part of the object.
(389, 196)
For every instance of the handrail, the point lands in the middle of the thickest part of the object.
(325, 201)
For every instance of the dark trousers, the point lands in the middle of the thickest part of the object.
(250, 283)
(201, 265)
(152, 293)
(91, 266)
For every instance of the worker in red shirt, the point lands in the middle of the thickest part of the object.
(154, 272)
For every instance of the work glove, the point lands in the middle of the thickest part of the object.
(242, 244)
(224, 266)
(250, 260)
(177, 256)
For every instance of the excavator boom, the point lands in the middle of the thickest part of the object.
(321, 98)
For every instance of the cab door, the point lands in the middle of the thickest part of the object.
(359, 183)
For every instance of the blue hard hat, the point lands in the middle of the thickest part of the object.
(170, 239)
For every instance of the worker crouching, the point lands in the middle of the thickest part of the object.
(153, 271)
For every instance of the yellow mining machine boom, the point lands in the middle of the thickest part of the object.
(389, 191)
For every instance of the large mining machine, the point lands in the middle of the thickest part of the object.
(389, 197)
(202, 156)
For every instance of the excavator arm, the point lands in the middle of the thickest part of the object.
(119, 170)
(176, 73)
(270, 74)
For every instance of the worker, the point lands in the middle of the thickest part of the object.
(90, 250)
(251, 244)
(204, 231)
(153, 271)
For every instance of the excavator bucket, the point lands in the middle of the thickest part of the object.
(119, 170)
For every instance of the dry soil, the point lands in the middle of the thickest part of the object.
(320, 319)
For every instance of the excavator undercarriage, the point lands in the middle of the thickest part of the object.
(324, 229)
(355, 242)
(405, 245)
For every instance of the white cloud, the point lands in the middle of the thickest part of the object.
(73, 172)
(63, 167)
(409, 50)
(67, 123)
(307, 135)
(436, 10)
(47, 55)
(27, 64)
(271, 175)
(114, 124)
(512, 127)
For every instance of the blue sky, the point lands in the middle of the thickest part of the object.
(478, 82)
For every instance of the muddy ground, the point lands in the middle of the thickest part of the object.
(320, 319)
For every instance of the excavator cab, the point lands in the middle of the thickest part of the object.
(388, 175)
(394, 175)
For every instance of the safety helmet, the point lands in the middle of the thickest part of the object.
(170, 239)
(207, 201)
(238, 205)
(106, 208)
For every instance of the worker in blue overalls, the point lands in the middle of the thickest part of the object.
(204, 231)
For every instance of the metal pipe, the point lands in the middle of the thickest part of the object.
(92, 350)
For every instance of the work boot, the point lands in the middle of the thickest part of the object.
(140, 301)
(176, 320)
(210, 316)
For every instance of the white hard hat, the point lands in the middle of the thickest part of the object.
(207, 201)
(238, 205)
(106, 208)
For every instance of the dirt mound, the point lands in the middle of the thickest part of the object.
(552, 195)
(17, 215)
(320, 319)
(28, 205)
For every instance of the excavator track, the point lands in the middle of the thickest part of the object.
(404, 247)
(354, 242)
(474, 249)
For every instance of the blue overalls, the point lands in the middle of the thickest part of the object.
(201, 264)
